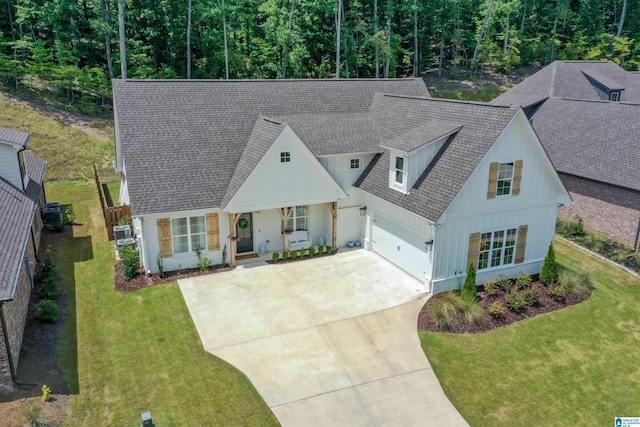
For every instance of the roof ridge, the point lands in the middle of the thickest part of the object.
(453, 101)
(372, 79)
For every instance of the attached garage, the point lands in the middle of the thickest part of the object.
(403, 247)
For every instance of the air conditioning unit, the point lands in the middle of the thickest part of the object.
(129, 241)
(121, 232)
(52, 213)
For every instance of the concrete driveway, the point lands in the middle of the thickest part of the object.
(326, 342)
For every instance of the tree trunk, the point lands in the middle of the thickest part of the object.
(123, 47)
(386, 68)
(622, 16)
(338, 25)
(189, 40)
(441, 56)
(506, 39)
(13, 34)
(286, 48)
(553, 33)
(107, 37)
(416, 70)
(484, 26)
(524, 14)
(226, 46)
(375, 36)
(346, 46)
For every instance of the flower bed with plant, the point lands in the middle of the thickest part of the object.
(502, 301)
(300, 254)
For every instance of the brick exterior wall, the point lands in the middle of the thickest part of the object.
(14, 314)
(606, 209)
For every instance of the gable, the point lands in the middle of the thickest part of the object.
(288, 174)
(538, 181)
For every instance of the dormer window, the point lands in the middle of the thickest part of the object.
(285, 157)
(400, 178)
(615, 96)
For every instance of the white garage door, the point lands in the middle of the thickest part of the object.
(403, 247)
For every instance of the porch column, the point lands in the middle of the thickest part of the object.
(285, 214)
(233, 220)
(333, 207)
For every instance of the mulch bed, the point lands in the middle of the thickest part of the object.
(302, 258)
(460, 325)
(140, 280)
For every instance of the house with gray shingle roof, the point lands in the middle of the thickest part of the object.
(587, 116)
(261, 166)
(21, 205)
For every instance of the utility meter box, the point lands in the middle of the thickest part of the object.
(146, 420)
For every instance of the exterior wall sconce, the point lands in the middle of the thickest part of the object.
(363, 211)
(428, 245)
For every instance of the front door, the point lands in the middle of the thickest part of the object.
(244, 231)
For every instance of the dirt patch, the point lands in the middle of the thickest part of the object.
(455, 81)
(460, 325)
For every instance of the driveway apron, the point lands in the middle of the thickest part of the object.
(327, 342)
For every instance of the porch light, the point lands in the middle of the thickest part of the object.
(428, 245)
(363, 210)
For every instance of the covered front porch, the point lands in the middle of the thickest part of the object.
(263, 231)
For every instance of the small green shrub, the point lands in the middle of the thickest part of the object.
(275, 256)
(583, 284)
(182, 269)
(203, 262)
(491, 287)
(285, 255)
(523, 281)
(312, 250)
(568, 282)
(549, 273)
(531, 296)
(48, 268)
(515, 301)
(160, 265)
(69, 214)
(496, 309)
(440, 316)
(505, 283)
(46, 393)
(451, 303)
(577, 229)
(47, 311)
(472, 309)
(130, 261)
(557, 292)
(294, 254)
(50, 287)
(469, 286)
(302, 252)
(125, 220)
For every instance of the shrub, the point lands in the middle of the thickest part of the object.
(125, 220)
(312, 250)
(285, 255)
(496, 309)
(472, 309)
(577, 228)
(531, 296)
(275, 256)
(203, 262)
(557, 292)
(451, 303)
(58, 224)
(568, 282)
(328, 249)
(440, 316)
(160, 265)
(523, 281)
(491, 287)
(182, 269)
(549, 273)
(294, 254)
(505, 283)
(46, 393)
(50, 287)
(130, 260)
(302, 251)
(69, 214)
(516, 302)
(469, 286)
(583, 284)
(47, 311)
(48, 268)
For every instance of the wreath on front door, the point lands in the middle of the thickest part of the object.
(243, 224)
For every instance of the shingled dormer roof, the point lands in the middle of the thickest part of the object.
(14, 137)
(186, 138)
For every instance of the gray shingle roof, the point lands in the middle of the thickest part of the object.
(592, 139)
(14, 136)
(567, 79)
(16, 211)
(603, 80)
(421, 135)
(444, 177)
(181, 140)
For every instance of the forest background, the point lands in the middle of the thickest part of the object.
(72, 46)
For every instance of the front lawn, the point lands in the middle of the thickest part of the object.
(124, 354)
(577, 366)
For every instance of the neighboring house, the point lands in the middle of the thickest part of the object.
(587, 116)
(431, 185)
(21, 205)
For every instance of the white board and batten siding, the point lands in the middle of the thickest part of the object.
(9, 165)
(473, 212)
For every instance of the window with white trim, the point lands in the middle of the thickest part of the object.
(615, 96)
(497, 248)
(505, 179)
(299, 219)
(285, 157)
(188, 234)
(399, 169)
(355, 163)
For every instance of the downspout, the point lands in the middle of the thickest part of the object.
(6, 341)
(143, 248)
(21, 176)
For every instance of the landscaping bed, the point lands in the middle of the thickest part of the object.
(140, 280)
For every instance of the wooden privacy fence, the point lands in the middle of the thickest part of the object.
(112, 214)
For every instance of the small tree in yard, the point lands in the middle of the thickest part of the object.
(469, 286)
(549, 273)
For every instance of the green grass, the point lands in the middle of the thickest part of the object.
(123, 354)
(577, 366)
(69, 152)
(479, 95)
